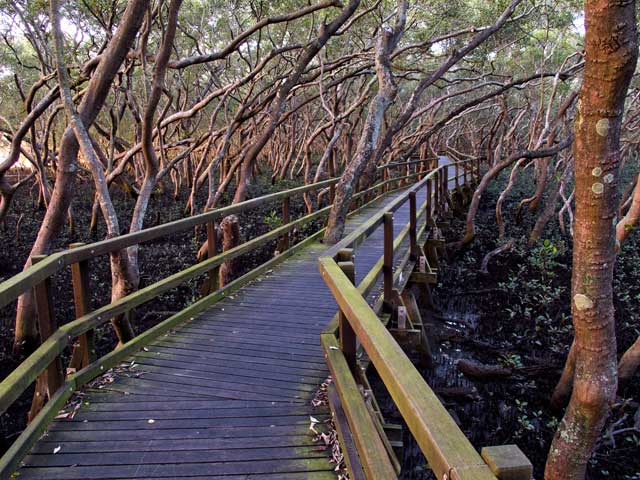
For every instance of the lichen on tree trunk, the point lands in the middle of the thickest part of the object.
(611, 54)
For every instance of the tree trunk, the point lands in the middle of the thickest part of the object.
(230, 228)
(387, 90)
(611, 53)
(92, 101)
(629, 362)
(309, 53)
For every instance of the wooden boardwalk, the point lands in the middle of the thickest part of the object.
(226, 395)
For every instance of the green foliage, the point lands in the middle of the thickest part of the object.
(273, 220)
(544, 256)
(511, 360)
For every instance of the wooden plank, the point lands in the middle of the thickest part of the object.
(304, 332)
(193, 377)
(158, 357)
(272, 372)
(250, 341)
(219, 389)
(107, 402)
(177, 470)
(234, 355)
(146, 412)
(50, 443)
(164, 434)
(193, 423)
(271, 353)
(169, 456)
(320, 475)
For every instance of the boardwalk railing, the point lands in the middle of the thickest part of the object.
(449, 453)
(45, 363)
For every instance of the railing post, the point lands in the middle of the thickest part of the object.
(84, 351)
(478, 170)
(347, 335)
(387, 269)
(286, 218)
(436, 192)
(445, 185)
(51, 379)
(466, 181)
(332, 192)
(212, 248)
(457, 173)
(429, 204)
(413, 227)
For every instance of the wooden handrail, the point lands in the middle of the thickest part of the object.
(445, 446)
(28, 370)
(361, 233)
(19, 379)
(15, 286)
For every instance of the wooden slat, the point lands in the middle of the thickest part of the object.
(177, 470)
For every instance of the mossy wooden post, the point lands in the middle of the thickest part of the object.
(465, 169)
(436, 193)
(286, 218)
(457, 174)
(387, 269)
(212, 249)
(429, 204)
(346, 333)
(445, 186)
(332, 193)
(413, 226)
(51, 379)
(84, 351)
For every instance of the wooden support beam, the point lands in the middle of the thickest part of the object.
(413, 226)
(423, 278)
(84, 351)
(387, 269)
(348, 341)
(429, 209)
(436, 194)
(286, 218)
(431, 248)
(212, 249)
(408, 338)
